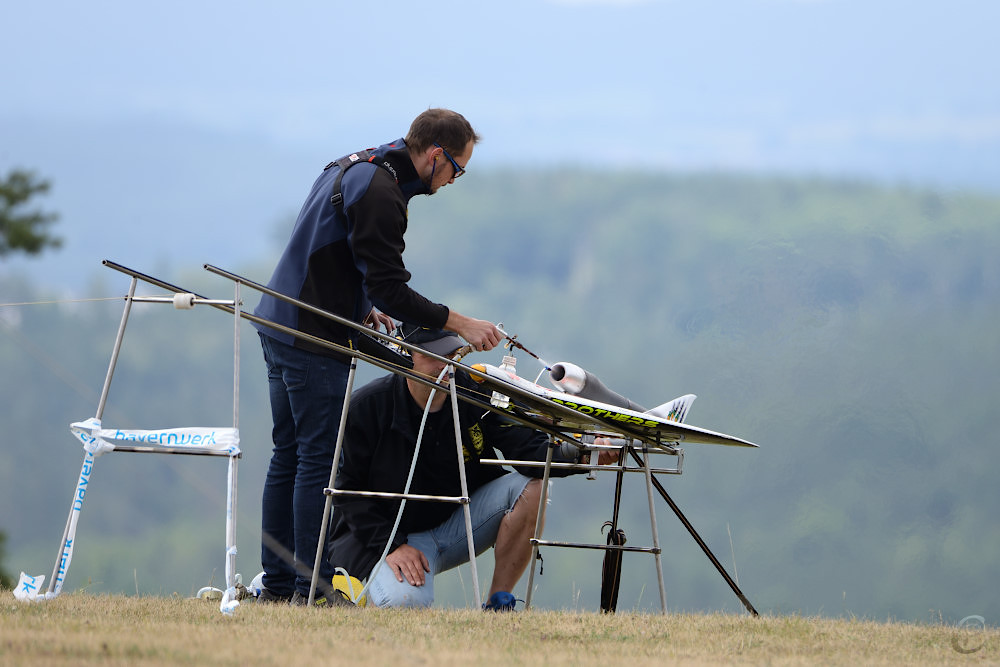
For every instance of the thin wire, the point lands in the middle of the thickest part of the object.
(84, 391)
(43, 303)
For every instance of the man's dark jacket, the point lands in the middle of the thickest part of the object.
(344, 260)
(381, 435)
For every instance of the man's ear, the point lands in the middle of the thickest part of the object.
(430, 156)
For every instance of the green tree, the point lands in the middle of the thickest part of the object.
(20, 229)
(23, 230)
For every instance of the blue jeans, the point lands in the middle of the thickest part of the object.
(446, 546)
(307, 397)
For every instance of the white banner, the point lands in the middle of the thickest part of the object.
(29, 588)
(98, 440)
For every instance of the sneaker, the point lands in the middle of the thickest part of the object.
(267, 596)
(500, 601)
(334, 599)
(242, 592)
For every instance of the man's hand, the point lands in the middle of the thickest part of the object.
(481, 335)
(409, 562)
(376, 319)
(607, 456)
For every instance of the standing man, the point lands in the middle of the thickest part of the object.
(344, 256)
(382, 428)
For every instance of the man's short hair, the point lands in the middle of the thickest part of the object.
(443, 126)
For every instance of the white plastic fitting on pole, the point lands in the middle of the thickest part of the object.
(184, 301)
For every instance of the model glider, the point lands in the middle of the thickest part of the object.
(586, 405)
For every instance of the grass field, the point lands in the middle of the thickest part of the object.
(85, 629)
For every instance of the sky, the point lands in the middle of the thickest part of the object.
(201, 118)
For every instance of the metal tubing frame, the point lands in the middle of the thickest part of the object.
(232, 472)
(64, 556)
(466, 507)
(667, 448)
(539, 523)
(514, 391)
(119, 337)
(620, 469)
(328, 502)
(657, 556)
(701, 543)
(386, 495)
(148, 449)
(76, 506)
(597, 547)
(572, 466)
(238, 314)
(354, 355)
(331, 490)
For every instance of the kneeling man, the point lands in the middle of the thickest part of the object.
(382, 427)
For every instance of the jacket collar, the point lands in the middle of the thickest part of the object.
(396, 158)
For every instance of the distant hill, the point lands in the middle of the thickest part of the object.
(168, 194)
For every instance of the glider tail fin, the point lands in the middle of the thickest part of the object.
(675, 410)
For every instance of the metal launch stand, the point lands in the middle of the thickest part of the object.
(331, 489)
(186, 441)
(639, 452)
(642, 466)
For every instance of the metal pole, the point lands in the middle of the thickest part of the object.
(76, 505)
(236, 358)
(701, 543)
(233, 471)
(321, 542)
(539, 523)
(117, 348)
(656, 536)
(231, 524)
(465, 487)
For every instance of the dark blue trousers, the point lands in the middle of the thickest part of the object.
(307, 396)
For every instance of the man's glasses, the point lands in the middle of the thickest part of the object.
(458, 170)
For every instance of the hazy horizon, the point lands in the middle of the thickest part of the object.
(183, 133)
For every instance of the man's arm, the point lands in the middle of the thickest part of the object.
(378, 222)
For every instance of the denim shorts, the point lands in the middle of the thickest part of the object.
(446, 545)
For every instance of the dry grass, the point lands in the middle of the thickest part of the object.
(85, 629)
